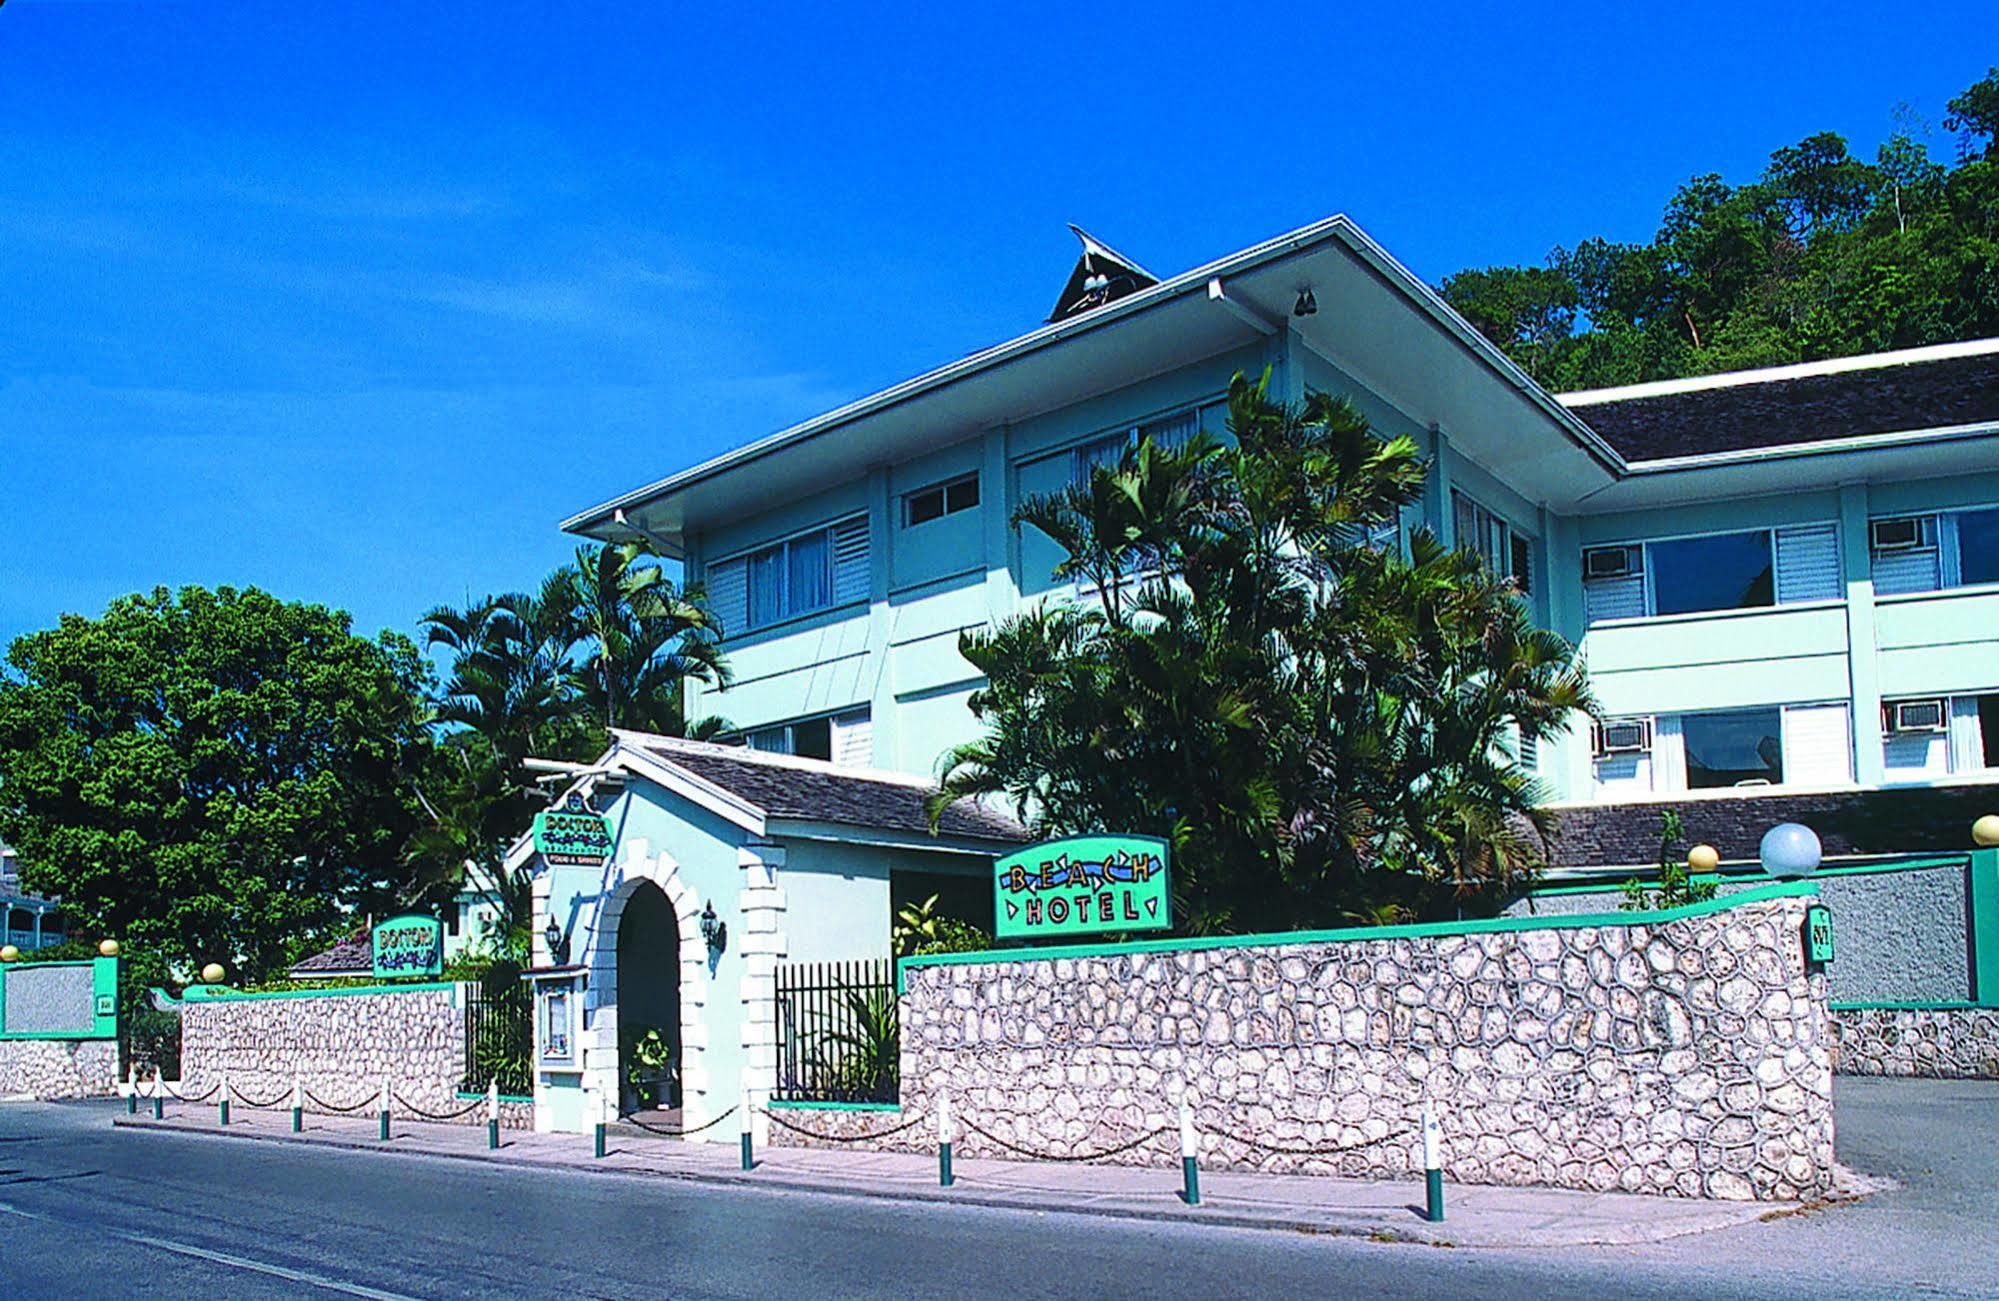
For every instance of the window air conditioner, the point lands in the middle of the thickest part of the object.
(1611, 562)
(1627, 736)
(1916, 716)
(1896, 534)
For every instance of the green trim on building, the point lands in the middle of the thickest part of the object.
(1420, 930)
(223, 994)
(1984, 926)
(780, 1104)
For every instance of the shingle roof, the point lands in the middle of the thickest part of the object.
(1751, 413)
(787, 787)
(355, 954)
(1897, 821)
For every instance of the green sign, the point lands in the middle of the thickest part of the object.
(409, 946)
(1084, 885)
(574, 834)
(1818, 933)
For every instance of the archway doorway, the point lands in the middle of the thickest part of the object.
(648, 957)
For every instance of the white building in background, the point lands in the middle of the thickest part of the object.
(27, 921)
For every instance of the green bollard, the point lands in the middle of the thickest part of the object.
(159, 1101)
(1190, 1165)
(493, 1114)
(944, 1176)
(749, 1142)
(224, 1109)
(388, 1100)
(1433, 1172)
(298, 1120)
(493, 1135)
(598, 1152)
(132, 1103)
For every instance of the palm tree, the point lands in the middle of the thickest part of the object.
(639, 639)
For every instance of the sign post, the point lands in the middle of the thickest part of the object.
(411, 945)
(1083, 885)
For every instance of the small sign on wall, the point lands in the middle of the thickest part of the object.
(1818, 933)
(409, 946)
(574, 835)
(1083, 885)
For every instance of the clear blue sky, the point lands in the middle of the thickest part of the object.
(354, 302)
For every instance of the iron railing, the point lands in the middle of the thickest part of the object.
(839, 1036)
(499, 1044)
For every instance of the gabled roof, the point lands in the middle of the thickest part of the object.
(353, 956)
(1946, 387)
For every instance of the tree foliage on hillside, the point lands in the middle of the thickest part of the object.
(1319, 725)
(1824, 255)
(208, 775)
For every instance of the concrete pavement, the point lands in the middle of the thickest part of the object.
(1474, 1217)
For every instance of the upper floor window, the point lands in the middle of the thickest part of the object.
(845, 739)
(1166, 431)
(939, 500)
(1926, 553)
(814, 570)
(1506, 552)
(1717, 571)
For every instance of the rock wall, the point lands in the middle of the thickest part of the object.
(59, 1068)
(1949, 1043)
(1686, 1056)
(340, 1046)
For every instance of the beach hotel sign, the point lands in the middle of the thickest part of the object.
(574, 835)
(409, 946)
(1084, 885)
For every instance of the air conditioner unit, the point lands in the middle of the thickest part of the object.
(1916, 716)
(1626, 736)
(1612, 562)
(1896, 534)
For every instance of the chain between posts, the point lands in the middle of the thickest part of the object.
(1122, 1148)
(318, 1101)
(839, 1138)
(680, 1133)
(253, 1104)
(459, 1114)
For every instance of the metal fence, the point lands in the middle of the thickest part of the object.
(839, 1032)
(499, 1045)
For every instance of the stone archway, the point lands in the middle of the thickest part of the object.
(648, 967)
(648, 879)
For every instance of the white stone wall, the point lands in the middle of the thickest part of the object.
(341, 1047)
(1947, 1043)
(1689, 1058)
(59, 1068)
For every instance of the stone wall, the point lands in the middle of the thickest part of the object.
(340, 1045)
(1686, 1055)
(59, 1068)
(1950, 1043)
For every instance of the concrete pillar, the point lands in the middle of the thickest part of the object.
(763, 945)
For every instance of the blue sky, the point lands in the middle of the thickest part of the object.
(355, 302)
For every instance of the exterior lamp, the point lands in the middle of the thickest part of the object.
(109, 948)
(713, 929)
(1790, 850)
(9, 953)
(1703, 858)
(213, 974)
(558, 942)
(1985, 831)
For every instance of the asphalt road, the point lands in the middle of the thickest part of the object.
(88, 1211)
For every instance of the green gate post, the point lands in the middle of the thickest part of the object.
(944, 1176)
(1190, 1164)
(1433, 1168)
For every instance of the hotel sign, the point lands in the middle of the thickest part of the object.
(574, 835)
(409, 946)
(1084, 885)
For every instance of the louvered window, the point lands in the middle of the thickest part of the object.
(1926, 553)
(1808, 564)
(813, 571)
(1717, 571)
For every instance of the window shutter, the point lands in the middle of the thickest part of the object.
(729, 595)
(1614, 598)
(1818, 746)
(1808, 564)
(850, 560)
(853, 740)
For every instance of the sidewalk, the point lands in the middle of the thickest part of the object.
(1474, 1217)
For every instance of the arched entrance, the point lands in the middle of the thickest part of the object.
(648, 991)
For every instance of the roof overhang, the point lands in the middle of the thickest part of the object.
(1376, 320)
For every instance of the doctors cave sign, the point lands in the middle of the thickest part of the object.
(1082, 885)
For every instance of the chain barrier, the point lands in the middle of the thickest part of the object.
(1335, 1150)
(253, 1104)
(173, 1092)
(318, 1101)
(1140, 1141)
(775, 1119)
(415, 1110)
(680, 1133)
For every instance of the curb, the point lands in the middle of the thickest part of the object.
(1413, 1231)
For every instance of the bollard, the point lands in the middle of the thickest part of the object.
(222, 1092)
(1433, 1167)
(493, 1113)
(603, 1118)
(385, 1111)
(298, 1104)
(131, 1093)
(749, 1140)
(159, 1096)
(1190, 1165)
(945, 1133)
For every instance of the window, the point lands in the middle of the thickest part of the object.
(844, 739)
(1927, 553)
(1166, 431)
(1924, 738)
(939, 500)
(555, 1020)
(1752, 569)
(1741, 747)
(1505, 552)
(813, 571)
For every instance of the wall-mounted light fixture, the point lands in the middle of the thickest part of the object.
(1307, 304)
(714, 930)
(558, 942)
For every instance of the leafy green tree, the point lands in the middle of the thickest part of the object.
(208, 774)
(640, 639)
(1319, 725)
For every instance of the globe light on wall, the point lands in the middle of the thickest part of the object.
(1703, 858)
(212, 974)
(1789, 850)
(109, 948)
(1985, 831)
(8, 953)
